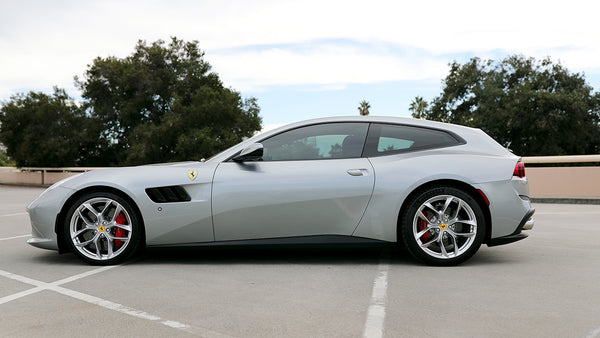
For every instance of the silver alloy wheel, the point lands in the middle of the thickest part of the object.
(444, 226)
(100, 228)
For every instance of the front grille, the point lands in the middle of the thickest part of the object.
(169, 194)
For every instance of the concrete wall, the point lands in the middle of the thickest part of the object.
(37, 176)
(563, 182)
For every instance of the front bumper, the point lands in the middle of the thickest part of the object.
(44, 243)
(42, 214)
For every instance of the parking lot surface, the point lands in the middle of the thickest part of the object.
(547, 285)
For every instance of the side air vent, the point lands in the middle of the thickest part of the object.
(168, 194)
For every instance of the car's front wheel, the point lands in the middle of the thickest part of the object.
(102, 228)
(443, 226)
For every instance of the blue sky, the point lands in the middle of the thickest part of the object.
(300, 59)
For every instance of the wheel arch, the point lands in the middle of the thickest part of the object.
(467, 188)
(63, 247)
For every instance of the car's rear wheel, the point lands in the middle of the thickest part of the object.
(102, 228)
(443, 226)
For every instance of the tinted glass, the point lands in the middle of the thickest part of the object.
(322, 141)
(389, 139)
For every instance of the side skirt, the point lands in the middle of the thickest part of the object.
(324, 240)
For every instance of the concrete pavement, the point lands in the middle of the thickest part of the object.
(547, 285)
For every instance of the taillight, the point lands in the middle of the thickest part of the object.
(519, 170)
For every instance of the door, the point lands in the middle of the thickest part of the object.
(311, 181)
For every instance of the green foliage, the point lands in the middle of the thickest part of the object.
(418, 107)
(533, 107)
(162, 104)
(363, 107)
(159, 104)
(5, 161)
(47, 131)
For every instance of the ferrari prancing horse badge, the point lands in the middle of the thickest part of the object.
(192, 174)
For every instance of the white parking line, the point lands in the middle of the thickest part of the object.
(594, 333)
(21, 294)
(376, 312)
(14, 237)
(40, 286)
(55, 286)
(105, 303)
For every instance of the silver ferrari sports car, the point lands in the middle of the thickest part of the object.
(441, 190)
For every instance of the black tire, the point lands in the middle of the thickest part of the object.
(102, 228)
(443, 226)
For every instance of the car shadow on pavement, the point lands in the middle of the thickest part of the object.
(277, 255)
(265, 254)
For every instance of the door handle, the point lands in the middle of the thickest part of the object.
(358, 172)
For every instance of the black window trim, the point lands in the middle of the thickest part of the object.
(230, 159)
(372, 141)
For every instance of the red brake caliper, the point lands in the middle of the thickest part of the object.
(423, 225)
(120, 232)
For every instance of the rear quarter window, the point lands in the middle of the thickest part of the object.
(387, 139)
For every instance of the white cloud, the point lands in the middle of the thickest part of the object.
(47, 43)
(322, 65)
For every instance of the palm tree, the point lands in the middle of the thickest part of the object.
(363, 109)
(418, 107)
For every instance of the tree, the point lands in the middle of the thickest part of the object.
(534, 107)
(162, 103)
(418, 107)
(363, 108)
(47, 130)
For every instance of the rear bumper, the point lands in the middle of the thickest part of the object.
(528, 224)
(525, 224)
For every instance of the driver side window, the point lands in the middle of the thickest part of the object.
(321, 141)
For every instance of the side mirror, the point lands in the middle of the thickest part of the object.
(253, 152)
